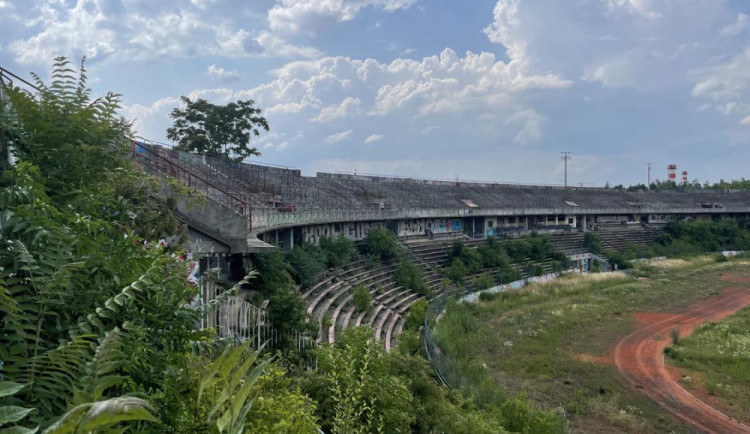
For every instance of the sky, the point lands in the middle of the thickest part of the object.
(489, 90)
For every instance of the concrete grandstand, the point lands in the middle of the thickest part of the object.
(255, 207)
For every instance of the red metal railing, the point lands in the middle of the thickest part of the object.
(202, 179)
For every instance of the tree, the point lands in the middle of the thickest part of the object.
(226, 130)
(380, 243)
(362, 298)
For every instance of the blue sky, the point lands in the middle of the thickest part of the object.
(486, 89)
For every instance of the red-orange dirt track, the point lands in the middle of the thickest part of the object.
(639, 357)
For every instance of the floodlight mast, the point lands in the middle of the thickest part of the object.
(566, 156)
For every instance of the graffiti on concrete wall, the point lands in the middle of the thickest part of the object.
(354, 231)
(423, 226)
(611, 218)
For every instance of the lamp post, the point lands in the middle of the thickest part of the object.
(566, 156)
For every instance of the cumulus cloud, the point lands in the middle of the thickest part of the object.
(130, 31)
(221, 73)
(726, 85)
(308, 16)
(642, 44)
(640, 7)
(437, 84)
(348, 107)
(338, 137)
(745, 121)
(340, 90)
(373, 138)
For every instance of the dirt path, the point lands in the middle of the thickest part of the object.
(639, 357)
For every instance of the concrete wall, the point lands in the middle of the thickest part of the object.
(312, 234)
(437, 226)
(211, 220)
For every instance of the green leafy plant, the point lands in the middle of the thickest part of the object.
(89, 417)
(12, 414)
(231, 379)
(225, 130)
(362, 298)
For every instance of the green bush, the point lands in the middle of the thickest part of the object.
(380, 243)
(415, 318)
(337, 251)
(362, 298)
(592, 242)
(409, 276)
(307, 263)
(484, 281)
(456, 272)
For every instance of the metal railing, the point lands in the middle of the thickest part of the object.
(236, 319)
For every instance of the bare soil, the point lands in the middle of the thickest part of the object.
(639, 357)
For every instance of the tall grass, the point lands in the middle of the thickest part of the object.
(528, 339)
(720, 353)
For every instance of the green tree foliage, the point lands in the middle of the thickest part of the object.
(456, 272)
(280, 407)
(409, 276)
(275, 283)
(338, 251)
(355, 392)
(72, 266)
(484, 281)
(307, 263)
(73, 139)
(89, 313)
(380, 243)
(415, 318)
(218, 130)
(471, 258)
(362, 298)
(592, 242)
(707, 235)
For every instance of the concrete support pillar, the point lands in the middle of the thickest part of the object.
(557, 219)
(584, 224)
(526, 223)
(291, 238)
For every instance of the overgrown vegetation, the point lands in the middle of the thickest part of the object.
(547, 340)
(362, 298)
(497, 260)
(409, 276)
(381, 244)
(93, 310)
(97, 333)
(716, 357)
(309, 261)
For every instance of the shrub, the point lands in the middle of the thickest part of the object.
(307, 263)
(484, 281)
(409, 276)
(337, 251)
(415, 318)
(471, 258)
(592, 242)
(362, 298)
(456, 272)
(488, 296)
(380, 243)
